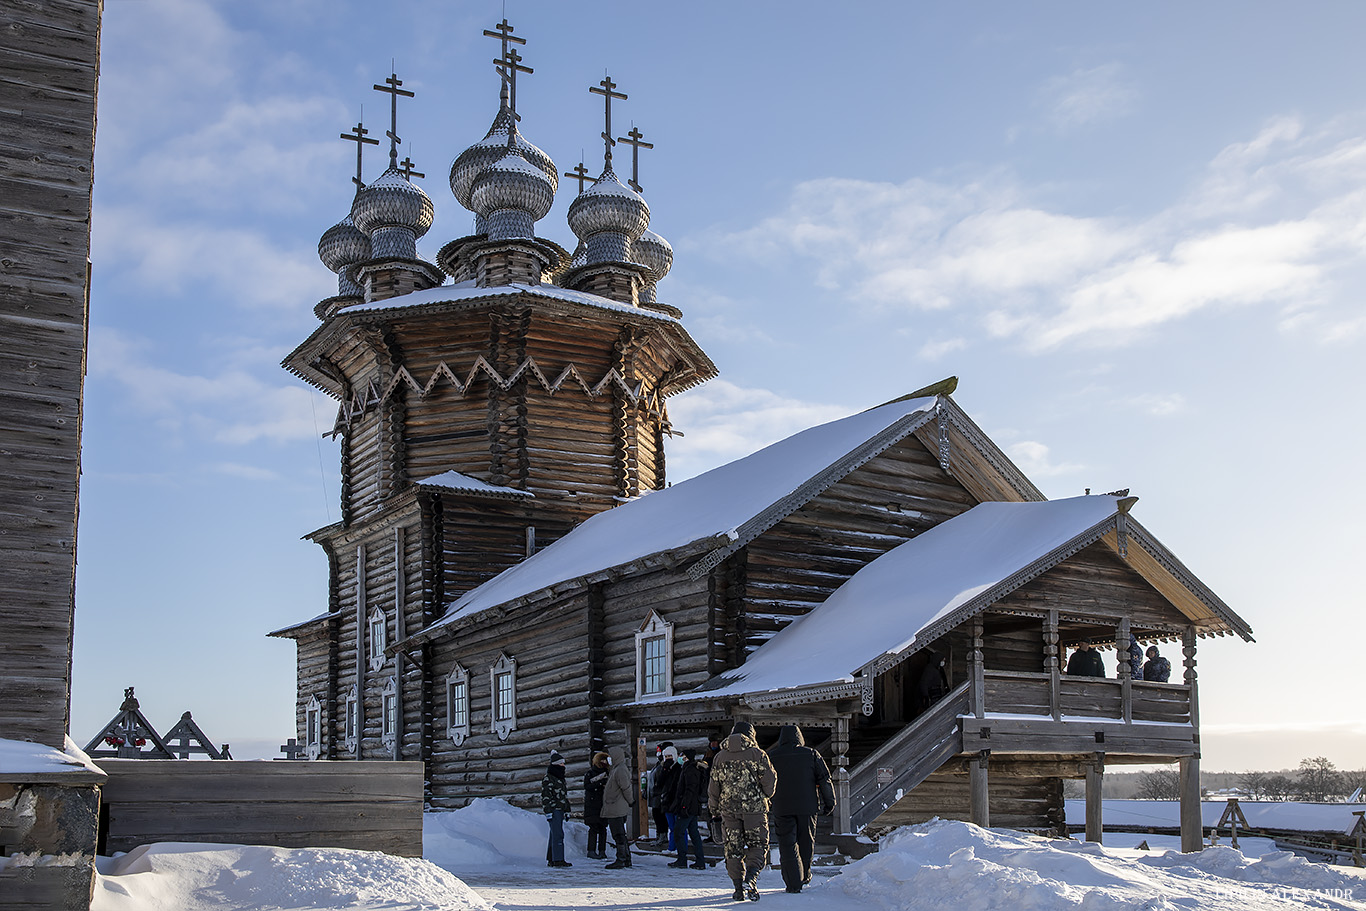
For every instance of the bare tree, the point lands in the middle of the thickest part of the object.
(1159, 785)
(1280, 787)
(1253, 784)
(1319, 779)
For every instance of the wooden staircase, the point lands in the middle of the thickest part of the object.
(910, 757)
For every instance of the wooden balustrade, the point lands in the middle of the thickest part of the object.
(1027, 693)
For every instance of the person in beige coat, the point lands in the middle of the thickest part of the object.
(617, 797)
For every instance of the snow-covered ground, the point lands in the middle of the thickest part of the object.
(492, 856)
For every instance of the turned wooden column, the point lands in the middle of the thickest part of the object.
(839, 743)
(1052, 664)
(1124, 673)
(978, 670)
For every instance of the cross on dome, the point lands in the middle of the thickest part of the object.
(406, 169)
(636, 145)
(608, 93)
(391, 88)
(581, 173)
(509, 65)
(357, 134)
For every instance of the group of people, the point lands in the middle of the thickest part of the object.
(1086, 662)
(743, 786)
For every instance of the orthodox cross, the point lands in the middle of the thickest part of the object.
(406, 169)
(581, 173)
(509, 65)
(636, 145)
(503, 32)
(357, 135)
(608, 94)
(391, 87)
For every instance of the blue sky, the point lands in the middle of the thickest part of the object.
(1137, 234)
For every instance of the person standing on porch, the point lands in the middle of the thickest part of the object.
(594, 784)
(1157, 668)
(617, 796)
(555, 805)
(804, 789)
(1085, 661)
(742, 783)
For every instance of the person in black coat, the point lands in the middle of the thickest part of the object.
(1085, 662)
(594, 782)
(804, 789)
(686, 808)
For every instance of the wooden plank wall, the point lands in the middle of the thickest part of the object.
(47, 137)
(795, 566)
(1096, 581)
(372, 806)
(1015, 802)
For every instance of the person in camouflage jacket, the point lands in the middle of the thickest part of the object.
(555, 805)
(742, 783)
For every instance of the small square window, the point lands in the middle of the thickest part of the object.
(654, 657)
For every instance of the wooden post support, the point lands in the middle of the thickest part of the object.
(1095, 771)
(978, 670)
(1052, 665)
(641, 820)
(840, 746)
(1192, 835)
(1233, 818)
(1359, 831)
(1125, 671)
(980, 808)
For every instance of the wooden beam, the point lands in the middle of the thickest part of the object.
(1094, 792)
(980, 812)
(1192, 831)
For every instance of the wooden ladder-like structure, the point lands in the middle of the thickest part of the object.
(907, 759)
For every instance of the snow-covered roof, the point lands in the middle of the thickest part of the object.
(897, 599)
(712, 510)
(36, 763)
(454, 480)
(468, 291)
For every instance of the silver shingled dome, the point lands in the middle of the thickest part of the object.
(608, 206)
(343, 245)
(473, 161)
(654, 253)
(392, 202)
(512, 183)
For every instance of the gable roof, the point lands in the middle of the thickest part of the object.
(908, 597)
(706, 516)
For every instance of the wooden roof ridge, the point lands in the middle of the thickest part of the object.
(951, 413)
(129, 722)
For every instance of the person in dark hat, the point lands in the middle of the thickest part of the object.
(742, 783)
(804, 790)
(686, 808)
(594, 785)
(555, 805)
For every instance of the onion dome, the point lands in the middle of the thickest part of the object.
(342, 246)
(607, 217)
(394, 213)
(492, 148)
(654, 253)
(511, 195)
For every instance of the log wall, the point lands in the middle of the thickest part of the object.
(1016, 802)
(47, 136)
(371, 806)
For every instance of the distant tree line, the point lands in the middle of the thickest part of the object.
(1316, 780)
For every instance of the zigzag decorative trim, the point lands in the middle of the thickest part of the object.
(372, 395)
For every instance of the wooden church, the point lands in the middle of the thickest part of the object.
(512, 573)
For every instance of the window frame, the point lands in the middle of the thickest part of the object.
(351, 719)
(377, 622)
(313, 728)
(502, 726)
(388, 713)
(457, 732)
(652, 629)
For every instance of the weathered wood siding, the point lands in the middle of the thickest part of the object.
(372, 806)
(1015, 802)
(47, 137)
(550, 643)
(798, 563)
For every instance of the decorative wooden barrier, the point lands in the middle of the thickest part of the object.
(373, 806)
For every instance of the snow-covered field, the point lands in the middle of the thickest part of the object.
(491, 856)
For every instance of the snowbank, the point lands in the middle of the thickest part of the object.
(198, 877)
(20, 757)
(957, 865)
(1291, 815)
(491, 832)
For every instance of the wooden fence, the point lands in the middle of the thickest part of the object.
(373, 806)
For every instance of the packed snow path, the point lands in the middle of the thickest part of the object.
(491, 856)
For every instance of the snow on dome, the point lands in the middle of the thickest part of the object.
(654, 253)
(512, 195)
(392, 202)
(608, 206)
(472, 162)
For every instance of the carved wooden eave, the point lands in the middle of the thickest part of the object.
(399, 507)
(1163, 571)
(303, 630)
(970, 456)
(308, 360)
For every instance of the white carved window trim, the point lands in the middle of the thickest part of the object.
(313, 728)
(458, 705)
(378, 635)
(351, 718)
(655, 633)
(503, 701)
(388, 713)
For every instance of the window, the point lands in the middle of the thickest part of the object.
(458, 705)
(654, 657)
(313, 728)
(378, 636)
(388, 733)
(503, 684)
(351, 729)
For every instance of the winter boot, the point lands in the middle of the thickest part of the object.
(739, 895)
(752, 890)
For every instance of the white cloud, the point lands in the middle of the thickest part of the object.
(1160, 406)
(1273, 224)
(1034, 459)
(245, 472)
(233, 406)
(1087, 95)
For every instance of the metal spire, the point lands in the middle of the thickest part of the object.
(608, 94)
(391, 87)
(358, 135)
(636, 145)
